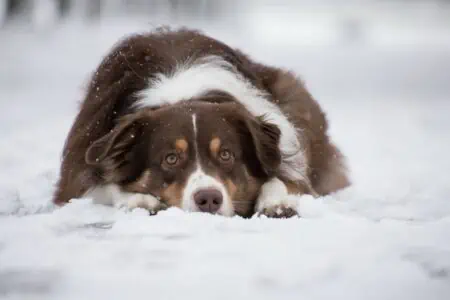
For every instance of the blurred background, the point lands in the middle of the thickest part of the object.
(345, 46)
(416, 33)
(380, 69)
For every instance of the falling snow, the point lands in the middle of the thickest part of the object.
(386, 237)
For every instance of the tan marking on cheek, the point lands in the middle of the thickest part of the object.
(246, 195)
(181, 145)
(214, 146)
(231, 188)
(141, 184)
(173, 194)
(253, 184)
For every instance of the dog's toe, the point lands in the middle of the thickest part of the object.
(279, 212)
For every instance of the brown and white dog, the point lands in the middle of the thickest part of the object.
(177, 118)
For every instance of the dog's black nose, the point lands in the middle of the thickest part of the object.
(208, 200)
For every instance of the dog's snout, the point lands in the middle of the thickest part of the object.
(208, 200)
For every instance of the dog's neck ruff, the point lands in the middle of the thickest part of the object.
(195, 78)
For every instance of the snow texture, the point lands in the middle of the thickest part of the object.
(386, 237)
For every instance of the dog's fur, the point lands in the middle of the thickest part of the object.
(173, 112)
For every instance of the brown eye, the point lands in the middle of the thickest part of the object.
(171, 159)
(225, 155)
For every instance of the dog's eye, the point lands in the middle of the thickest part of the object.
(225, 155)
(171, 159)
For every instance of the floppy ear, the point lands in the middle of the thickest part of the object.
(264, 154)
(112, 145)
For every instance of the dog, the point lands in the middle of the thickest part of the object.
(176, 118)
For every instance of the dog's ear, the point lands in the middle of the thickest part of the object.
(112, 148)
(262, 138)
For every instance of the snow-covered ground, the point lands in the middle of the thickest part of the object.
(386, 237)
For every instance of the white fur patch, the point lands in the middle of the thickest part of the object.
(193, 79)
(194, 123)
(112, 195)
(199, 180)
(274, 193)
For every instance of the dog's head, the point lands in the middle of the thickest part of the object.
(199, 156)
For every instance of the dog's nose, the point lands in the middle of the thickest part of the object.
(208, 200)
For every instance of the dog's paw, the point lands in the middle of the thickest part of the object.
(156, 209)
(279, 212)
(148, 202)
(275, 202)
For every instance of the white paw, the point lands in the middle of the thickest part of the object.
(285, 207)
(274, 201)
(147, 202)
(111, 194)
(279, 211)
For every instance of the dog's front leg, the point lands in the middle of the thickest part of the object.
(277, 200)
(111, 194)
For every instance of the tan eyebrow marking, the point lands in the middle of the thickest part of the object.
(181, 145)
(214, 146)
(231, 187)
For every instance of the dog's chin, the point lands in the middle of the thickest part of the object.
(218, 214)
(230, 213)
(221, 212)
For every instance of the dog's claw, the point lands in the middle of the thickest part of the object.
(279, 212)
(162, 206)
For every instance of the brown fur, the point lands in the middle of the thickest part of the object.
(110, 143)
(172, 194)
(141, 184)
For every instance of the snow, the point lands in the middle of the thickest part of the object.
(386, 237)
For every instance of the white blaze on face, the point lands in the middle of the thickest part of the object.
(194, 124)
(199, 180)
